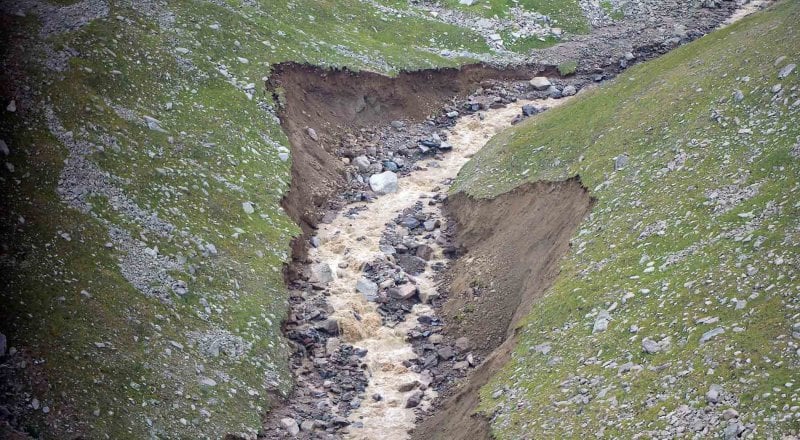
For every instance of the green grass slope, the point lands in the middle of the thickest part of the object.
(90, 295)
(696, 235)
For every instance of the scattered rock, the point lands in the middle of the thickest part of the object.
(541, 83)
(445, 352)
(403, 291)
(367, 288)
(463, 344)
(312, 134)
(307, 426)
(620, 162)
(786, 71)
(290, 425)
(320, 273)
(425, 252)
(362, 163)
(601, 322)
(530, 110)
(713, 394)
(383, 183)
(730, 413)
(408, 386)
(650, 346)
(414, 400)
(412, 264)
(711, 334)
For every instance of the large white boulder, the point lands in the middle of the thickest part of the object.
(383, 183)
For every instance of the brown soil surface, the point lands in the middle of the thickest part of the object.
(513, 245)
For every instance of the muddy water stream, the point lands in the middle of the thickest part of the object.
(348, 243)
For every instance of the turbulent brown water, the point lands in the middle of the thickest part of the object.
(354, 242)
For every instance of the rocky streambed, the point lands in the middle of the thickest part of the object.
(371, 355)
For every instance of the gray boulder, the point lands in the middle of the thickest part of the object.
(383, 183)
(403, 291)
(320, 273)
(367, 288)
(569, 90)
(362, 163)
(290, 425)
(541, 83)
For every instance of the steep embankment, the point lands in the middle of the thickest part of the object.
(676, 310)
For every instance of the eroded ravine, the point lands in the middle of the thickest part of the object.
(351, 241)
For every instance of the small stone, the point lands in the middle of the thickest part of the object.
(290, 425)
(425, 252)
(414, 400)
(248, 208)
(329, 326)
(208, 382)
(650, 346)
(463, 344)
(711, 334)
(601, 322)
(389, 165)
(4, 148)
(362, 163)
(530, 110)
(569, 90)
(713, 394)
(786, 71)
(307, 426)
(408, 386)
(731, 431)
(312, 134)
(409, 222)
(12, 106)
(620, 162)
(367, 288)
(543, 348)
(403, 291)
(320, 273)
(461, 365)
(411, 264)
(383, 183)
(730, 413)
(541, 83)
(445, 353)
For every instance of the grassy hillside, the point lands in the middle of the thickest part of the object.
(689, 257)
(144, 241)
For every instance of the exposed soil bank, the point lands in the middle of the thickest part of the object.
(513, 245)
(333, 103)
